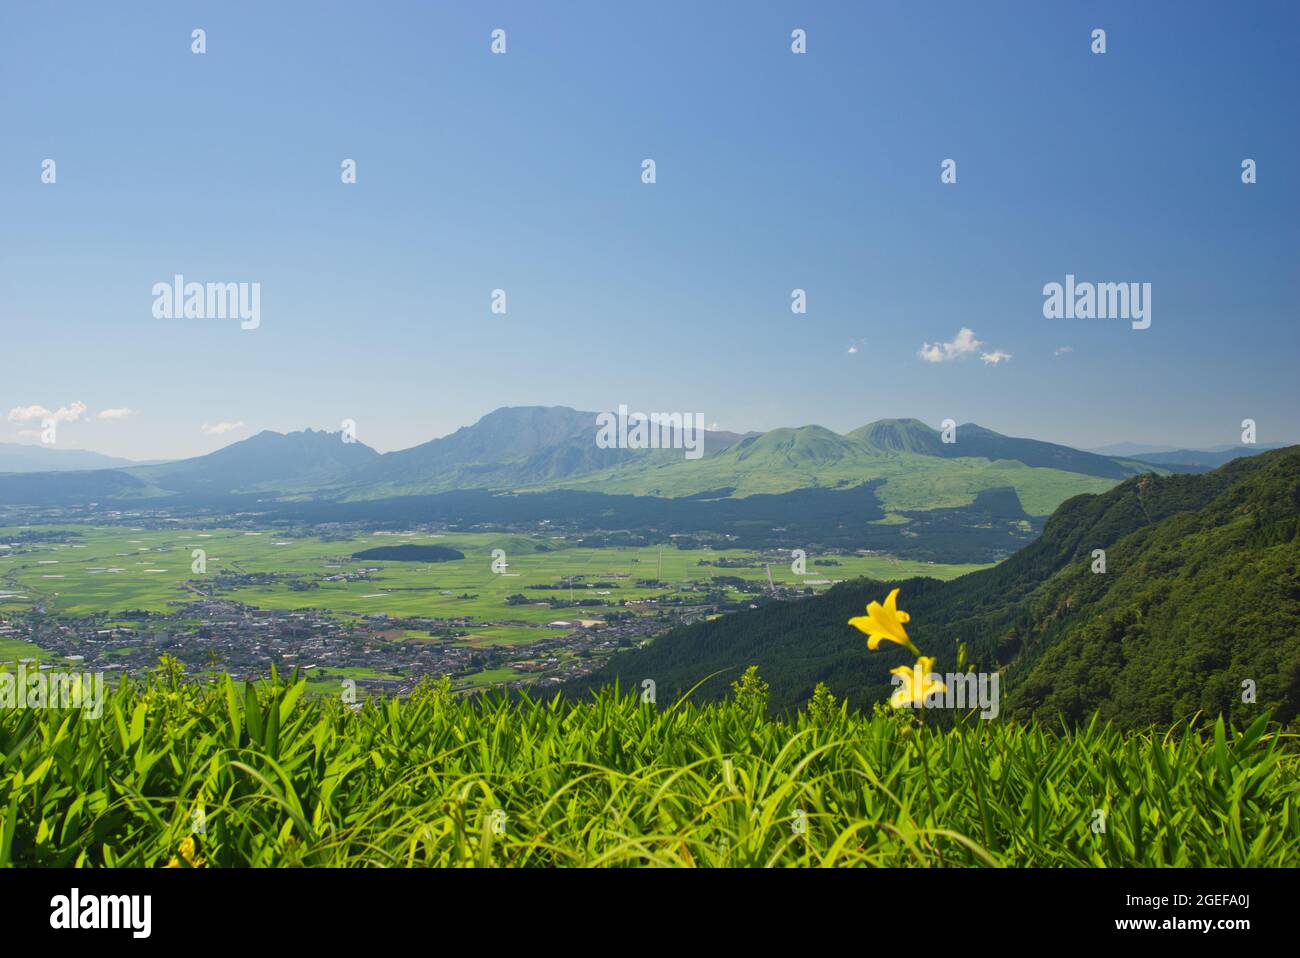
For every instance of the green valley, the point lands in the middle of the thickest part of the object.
(125, 595)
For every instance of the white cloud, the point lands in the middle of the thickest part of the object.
(27, 413)
(115, 413)
(1063, 350)
(964, 344)
(70, 413)
(852, 350)
(995, 357)
(221, 428)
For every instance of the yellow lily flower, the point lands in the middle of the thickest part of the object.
(187, 849)
(189, 852)
(885, 622)
(916, 685)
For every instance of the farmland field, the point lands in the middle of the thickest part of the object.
(110, 569)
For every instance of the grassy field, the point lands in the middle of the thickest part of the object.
(221, 776)
(911, 482)
(113, 569)
(11, 649)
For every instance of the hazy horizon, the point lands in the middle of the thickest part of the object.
(248, 432)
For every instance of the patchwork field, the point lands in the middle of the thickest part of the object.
(115, 570)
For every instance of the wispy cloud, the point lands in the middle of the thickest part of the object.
(1062, 350)
(962, 346)
(995, 357)
(120, 413)
(69, 413)
(221, 428)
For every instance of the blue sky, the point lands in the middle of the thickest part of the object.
(522, 172)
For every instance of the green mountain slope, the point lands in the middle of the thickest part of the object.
(1201, 592)
(919, 470)
(900, 435)
(976, 441)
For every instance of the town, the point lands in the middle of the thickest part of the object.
(381, 653)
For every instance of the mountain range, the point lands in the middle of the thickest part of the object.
(539, 448)
(1199, 460)
(548, 448)
(1139, 450)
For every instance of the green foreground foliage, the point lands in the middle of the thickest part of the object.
(270, 777)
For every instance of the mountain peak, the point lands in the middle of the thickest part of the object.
(803, 444)
(307, 455)
(900, 435)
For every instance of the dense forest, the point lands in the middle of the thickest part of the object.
(1200, 594)
(410, 553)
